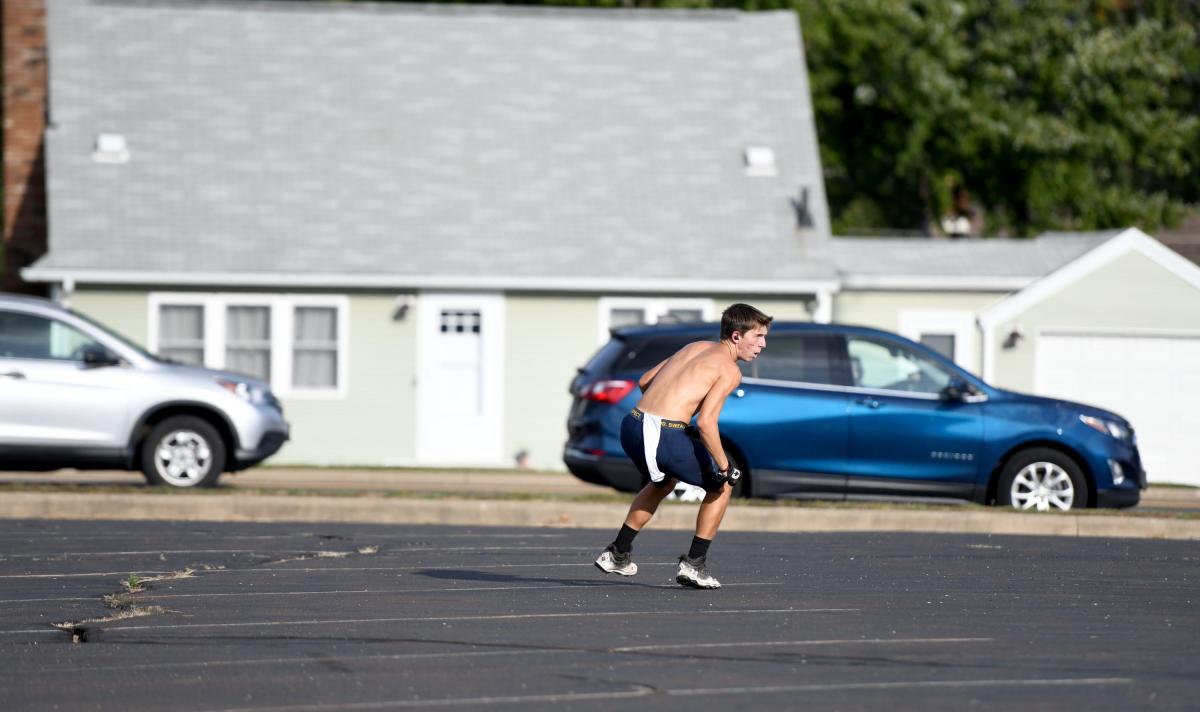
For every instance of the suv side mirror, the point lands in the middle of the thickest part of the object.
(957, 390)
(96, 356)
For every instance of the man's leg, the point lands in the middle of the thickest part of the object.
(645, 504)
(616, 558)
(692, 572)
(712, 511)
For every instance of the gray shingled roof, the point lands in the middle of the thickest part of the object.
(863, 260)
(349, 139)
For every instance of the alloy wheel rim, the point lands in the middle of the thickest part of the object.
(182, 458)
(1042, 486)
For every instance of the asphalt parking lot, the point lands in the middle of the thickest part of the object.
(356, 617)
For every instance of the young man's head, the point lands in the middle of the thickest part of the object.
(746, 328)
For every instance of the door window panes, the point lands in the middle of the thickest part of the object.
(461, 321)
(248, 341)
(681, 316)
(801, 358)
(31, 336)
(942, 343)
(181, 333)
(314, 348)
(618, 318)
(890, 366)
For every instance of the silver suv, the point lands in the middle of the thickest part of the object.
(74, 394)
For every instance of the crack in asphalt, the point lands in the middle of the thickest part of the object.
(125, 604)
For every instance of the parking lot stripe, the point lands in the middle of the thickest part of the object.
(254, 594)
(79, 575)
(330, 569)
(898, 685)
(242, 662)
(639, 691)
(498, 617)
(765, 643)
(646, 691)
(277, 552)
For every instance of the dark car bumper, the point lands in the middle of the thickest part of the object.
(608, 470)
(1118, 498)
(268, 446)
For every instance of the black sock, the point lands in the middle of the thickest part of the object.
(699, 548)
(624, 541)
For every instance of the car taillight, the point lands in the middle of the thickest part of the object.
(607, 391)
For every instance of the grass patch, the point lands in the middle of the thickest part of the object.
(595, 498)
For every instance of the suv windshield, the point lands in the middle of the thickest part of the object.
(119, 337)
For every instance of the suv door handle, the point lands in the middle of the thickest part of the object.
(869, 402)
(15, 375)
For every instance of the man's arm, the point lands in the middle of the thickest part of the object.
(648, 376)
(710, 413)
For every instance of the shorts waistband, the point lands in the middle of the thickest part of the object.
(676, 424)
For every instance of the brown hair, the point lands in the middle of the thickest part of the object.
(742, 318)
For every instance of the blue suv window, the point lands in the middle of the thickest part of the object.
(647, 354)
(802, 358)
(875, 363)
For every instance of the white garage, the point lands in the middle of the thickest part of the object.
(1118, 328)
(1152, 379)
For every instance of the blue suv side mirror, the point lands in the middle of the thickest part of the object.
(957, 390)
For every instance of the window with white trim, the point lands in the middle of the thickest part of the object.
(315, 347)
(181, 333)
(296, 343)
(616, 312)
(248, 341)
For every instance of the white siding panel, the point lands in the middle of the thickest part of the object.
(1151, 379)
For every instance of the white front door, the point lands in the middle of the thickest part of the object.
(459, 372)
(1150, 379)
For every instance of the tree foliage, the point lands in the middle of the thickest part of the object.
(1067, 114)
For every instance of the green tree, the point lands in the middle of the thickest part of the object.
(1051, 113)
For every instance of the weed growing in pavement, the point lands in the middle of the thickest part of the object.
(133, 584)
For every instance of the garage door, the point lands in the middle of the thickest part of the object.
(1154, 381)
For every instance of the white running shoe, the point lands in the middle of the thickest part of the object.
(611, 562)
(693, 574)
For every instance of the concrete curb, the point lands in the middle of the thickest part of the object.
(482, 512)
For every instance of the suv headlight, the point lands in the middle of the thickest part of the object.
(245, 391)
(1108, 427)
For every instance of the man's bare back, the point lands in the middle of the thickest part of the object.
(677, 387)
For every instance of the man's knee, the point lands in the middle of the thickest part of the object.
(724, 493)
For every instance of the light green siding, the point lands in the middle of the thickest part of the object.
(374, 424)
(1130, 293)
(546, 338)
(122, 311)
(882, 309)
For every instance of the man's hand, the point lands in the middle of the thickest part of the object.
(730, 474)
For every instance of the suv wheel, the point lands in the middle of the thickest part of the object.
(1042, 479)
(183, 451)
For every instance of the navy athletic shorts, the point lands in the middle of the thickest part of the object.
(662, 449)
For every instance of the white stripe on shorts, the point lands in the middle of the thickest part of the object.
(651, 428)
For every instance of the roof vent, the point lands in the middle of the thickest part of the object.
(760, 161)
(110, 148)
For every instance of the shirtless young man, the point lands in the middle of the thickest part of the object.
(695, 381)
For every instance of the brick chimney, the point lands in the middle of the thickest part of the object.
(24, 32)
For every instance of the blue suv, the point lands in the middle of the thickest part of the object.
(845, 412)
